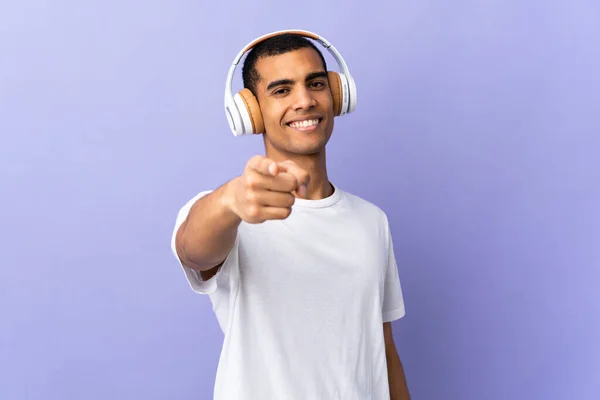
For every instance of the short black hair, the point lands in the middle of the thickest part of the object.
(273, 46)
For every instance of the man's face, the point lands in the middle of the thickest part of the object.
(295, 102)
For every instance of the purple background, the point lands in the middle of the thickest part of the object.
(477, 131)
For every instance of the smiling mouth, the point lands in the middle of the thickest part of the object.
(305, 125)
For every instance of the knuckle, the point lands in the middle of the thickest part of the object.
(251, 196)
(290, 200)
(251, 181)
(254, 161)
(253, 211)
(286, 212)
(291, 184)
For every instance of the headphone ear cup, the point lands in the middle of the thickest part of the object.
(335, 86)
(233, 117)
(253, 111)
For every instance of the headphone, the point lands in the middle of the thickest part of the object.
(242, 109)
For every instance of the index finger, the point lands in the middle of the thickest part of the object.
(265, 166)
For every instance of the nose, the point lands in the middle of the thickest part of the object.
(303, 99)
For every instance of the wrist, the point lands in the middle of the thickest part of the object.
(227, 200)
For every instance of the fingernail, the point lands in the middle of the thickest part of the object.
(302, 190)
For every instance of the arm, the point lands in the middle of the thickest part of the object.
(396, 378)
(263, 192)
(207, 235)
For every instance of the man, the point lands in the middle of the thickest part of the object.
(301, 274)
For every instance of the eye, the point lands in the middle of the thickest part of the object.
(280, 91)
(317, 84)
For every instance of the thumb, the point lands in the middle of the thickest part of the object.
(274, 169)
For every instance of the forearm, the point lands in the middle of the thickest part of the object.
(396, 377)
(207, 235)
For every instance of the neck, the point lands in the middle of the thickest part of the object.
(319, 186)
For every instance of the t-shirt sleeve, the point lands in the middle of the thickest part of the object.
(193, 277)
(393, 301)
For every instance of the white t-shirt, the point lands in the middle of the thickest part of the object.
(302, 302)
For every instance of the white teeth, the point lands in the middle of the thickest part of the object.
(305, 123)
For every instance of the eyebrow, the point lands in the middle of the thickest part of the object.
(309, 77)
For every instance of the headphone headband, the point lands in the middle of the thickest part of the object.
(270, 35)
(350, 89)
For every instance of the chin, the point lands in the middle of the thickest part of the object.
(308, 152)
(297, 149)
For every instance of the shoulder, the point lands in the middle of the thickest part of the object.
(363, 205)
(366, 209)
(185, 207)
(190, 201)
